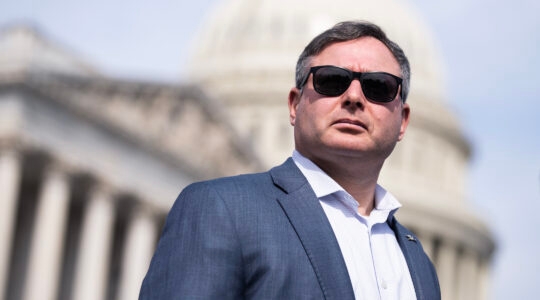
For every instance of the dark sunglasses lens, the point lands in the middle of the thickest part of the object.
(331, 81)
(379, 87)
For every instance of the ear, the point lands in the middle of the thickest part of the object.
(405, 116)
(294, 100)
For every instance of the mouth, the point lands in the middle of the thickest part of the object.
(349, 122)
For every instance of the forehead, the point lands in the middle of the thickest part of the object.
(366, 54)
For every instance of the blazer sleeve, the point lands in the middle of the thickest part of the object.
(198, 255)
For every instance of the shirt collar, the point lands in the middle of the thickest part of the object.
(323, 185)
(320, 182)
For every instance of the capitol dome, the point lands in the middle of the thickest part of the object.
(244, 37)
(246, 53)
(245, 56)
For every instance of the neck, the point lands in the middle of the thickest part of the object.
(358, 178)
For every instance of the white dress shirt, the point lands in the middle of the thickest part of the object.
(376, 265)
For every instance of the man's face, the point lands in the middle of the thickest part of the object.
(349, 125)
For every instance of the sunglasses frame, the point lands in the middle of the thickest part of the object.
(356, 75)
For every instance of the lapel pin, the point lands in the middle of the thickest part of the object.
(410, 238)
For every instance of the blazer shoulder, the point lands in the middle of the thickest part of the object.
(239, 184)
(285, 177)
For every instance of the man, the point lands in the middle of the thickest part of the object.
(318, 226)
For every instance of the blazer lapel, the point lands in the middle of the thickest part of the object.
(420, 267)
(314, 231)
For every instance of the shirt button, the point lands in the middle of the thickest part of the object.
(384, 285)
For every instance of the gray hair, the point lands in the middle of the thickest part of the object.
(346, 31)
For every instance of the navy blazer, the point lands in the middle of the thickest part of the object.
(261, 236)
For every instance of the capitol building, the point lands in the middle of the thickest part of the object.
(90, 164)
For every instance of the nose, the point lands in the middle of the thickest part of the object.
(353, 96)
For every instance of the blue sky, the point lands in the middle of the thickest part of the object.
(490, 49)
(491, 52)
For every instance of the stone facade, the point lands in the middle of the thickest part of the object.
(89, 167)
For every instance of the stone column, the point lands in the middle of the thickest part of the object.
(10, 177)
(91, 273)
(446, 269)
(467, 279)
(138, 249)
(48, 237)
(483, 277)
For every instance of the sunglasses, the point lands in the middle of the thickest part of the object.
(333, 81)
